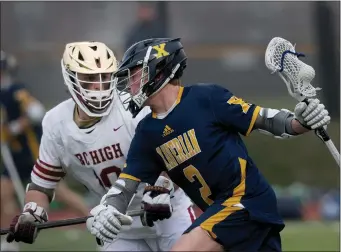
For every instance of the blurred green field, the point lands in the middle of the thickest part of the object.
(297, 236)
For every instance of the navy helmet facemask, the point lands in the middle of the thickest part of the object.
(146, 67)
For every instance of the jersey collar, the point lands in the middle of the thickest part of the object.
(178, 99)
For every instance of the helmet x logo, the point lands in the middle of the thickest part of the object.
(160, 49)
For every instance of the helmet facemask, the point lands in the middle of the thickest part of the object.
(88, 69)
(136, 85)
(93, 93)
(130, 85)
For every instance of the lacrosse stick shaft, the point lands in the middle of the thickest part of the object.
(332, 149)
(70, 222)
(323, 135)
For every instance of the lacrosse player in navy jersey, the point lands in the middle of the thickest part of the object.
(193, 134)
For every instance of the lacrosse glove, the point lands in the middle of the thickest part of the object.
(106, 223)
(312, 115)
(156, 201)
(23, 227)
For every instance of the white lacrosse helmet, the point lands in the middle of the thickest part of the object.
(88, 69)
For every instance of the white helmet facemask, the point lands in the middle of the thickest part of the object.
(88, 69)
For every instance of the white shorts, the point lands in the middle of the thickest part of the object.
(168, 232)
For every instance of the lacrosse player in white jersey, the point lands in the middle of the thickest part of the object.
(88, 137)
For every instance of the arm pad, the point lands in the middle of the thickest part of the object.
(120, 194)
(275, 122)
(49, 192)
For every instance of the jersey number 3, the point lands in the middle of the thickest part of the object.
(191, 172)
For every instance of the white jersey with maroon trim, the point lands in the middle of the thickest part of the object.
(94, 156)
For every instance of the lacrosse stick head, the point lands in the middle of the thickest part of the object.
(281, 57)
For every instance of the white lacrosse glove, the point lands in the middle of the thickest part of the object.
(106, 222)
(157, 201)
(314, 115)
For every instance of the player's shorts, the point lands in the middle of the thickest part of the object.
(24, 166)
(235, 231)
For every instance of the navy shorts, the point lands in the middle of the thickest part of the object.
(24, 166)
(235, 231)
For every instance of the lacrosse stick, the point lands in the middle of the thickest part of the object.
(72, 221)
(281, 57)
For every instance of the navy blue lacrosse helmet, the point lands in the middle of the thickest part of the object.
(157, 60)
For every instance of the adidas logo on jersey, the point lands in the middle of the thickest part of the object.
(167, 130)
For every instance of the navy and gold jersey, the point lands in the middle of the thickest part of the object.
(24, 146)
(199, 145)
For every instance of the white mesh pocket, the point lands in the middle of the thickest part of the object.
(280, 56)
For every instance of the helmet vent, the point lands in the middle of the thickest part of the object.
(93, 48)
(98, 63)
(80, 56)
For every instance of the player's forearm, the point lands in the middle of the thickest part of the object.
(280, 123)
(38, 197)
(297, 127)
(120, 194)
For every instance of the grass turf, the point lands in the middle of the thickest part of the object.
(297, 236)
